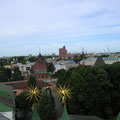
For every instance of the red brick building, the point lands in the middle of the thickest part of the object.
(40, 68)
(21, 86)
(62, 52)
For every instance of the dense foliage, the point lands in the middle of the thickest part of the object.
(4, 61)
(32, 81)
(20, 59)
(32, 59)
(23, 104)
(50, 67)
(16, 76)
(95, 90)
(46, 107)
(7, 74)
(78, 59)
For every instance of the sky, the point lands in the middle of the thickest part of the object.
(30, 26)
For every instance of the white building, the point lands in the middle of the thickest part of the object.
(64, 65)
(25, 68)
(91, 60)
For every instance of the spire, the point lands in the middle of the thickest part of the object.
(65, 115)
(99, 61)
(118, 117)
(40, 56)
(35, 115)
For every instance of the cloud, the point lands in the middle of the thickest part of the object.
(58, 22)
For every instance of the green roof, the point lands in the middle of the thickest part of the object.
(7, 96)
(118, 117)
(84, 117)
(65, 115)
(7, 89)
(4, 108)
(4, 93)
(41, 72)
(50, 73)
(35, 115)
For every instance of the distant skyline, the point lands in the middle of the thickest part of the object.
(27, 25)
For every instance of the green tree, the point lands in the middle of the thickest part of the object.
(3, 78)
(23, 104)
(95, 90)
(5, 74)
(114, 77)
(16, 76)
(77, 59)
(32, 59)
(20, 59)
(32, 81)
(90, 92)
(63, 76)
(46, 107)
(8, 73)
(24, 62)
(50, 67)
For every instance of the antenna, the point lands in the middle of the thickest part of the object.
(39, 50)
(108, 49)
(82, 50)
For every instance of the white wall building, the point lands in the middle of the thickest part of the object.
(91, 61)
(64, 65)
(25, 68)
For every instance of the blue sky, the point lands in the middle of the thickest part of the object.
(27, 25)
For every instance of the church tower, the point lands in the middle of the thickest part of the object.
(40, 68)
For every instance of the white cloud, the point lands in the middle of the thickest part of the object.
(56, 20)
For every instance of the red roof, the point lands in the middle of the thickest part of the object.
(24, 85)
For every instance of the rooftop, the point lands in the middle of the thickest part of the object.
(7, 102)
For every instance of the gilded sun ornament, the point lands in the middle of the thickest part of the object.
(33, 93)
(63, 93)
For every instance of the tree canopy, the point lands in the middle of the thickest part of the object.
(5, 74)
(95, 90)
(32, 81)
(50, 67)
(23, 104)
(46, 107)
(16, 76)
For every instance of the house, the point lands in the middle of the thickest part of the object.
(7, 103)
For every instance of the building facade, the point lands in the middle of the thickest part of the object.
(62, 52)
(40, 68)
(64, 65)
(91, 60)
(25, 68)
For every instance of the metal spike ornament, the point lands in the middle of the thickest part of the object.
(63, 93)
(33, 93)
